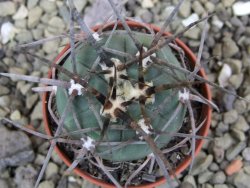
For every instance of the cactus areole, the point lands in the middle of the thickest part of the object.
(128, 88)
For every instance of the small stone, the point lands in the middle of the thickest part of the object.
(4, 183)
(202, 164)
(31, 100)
(192, 18)
(24, 37)
(5, 101)
(247, 169)
(21, 13)
(234, 150)
(32, 3)
(48, 6)
(241, 124)
(7, 8)
(193, 33)
(51, 46)
(198, 8)
(218, 154)
(22, 24)
(236, 80)
(241, 180)
(190, 179)
(3, 113)
(228, 3)
(23, 87)
(56, 159)
(51, 170)
(235, 64)
(186, 185)
(241, 8)
(56, 25)
(80, 4)
(214, 167)
(46, 184)
(218, 178)
(16, 115)
(224, 75)
(220, 186)
(147, 4)
(37, 112)
(246, 154)
(8, 32)
(34, 16)
(210, 7)
(185, 9)
(4, 90)
(230, 117)
(238, 134)
(17, 70)
(229, 47)
(37, 34)
(25, 176)
(39, 159)
(240, 106)
(204, 177)
(15, 148)
(217, 50)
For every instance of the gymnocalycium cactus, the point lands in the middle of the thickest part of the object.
(120, 94)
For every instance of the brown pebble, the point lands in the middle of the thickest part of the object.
(234, 167)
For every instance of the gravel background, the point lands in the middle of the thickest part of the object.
(224, 161)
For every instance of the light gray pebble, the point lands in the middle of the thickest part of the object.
(24, 36)
(190, 179)
(80, 4)
(217, 50)
(246, 154)
(3, 113)
(51, 170)
(218, 153)
(46, 184)
(39, 160)
(186, 185)
(220, 186)
(23, 87)
(22, 24)
(241, 124)
(51, 46)
(205, 177)
(230, 117)
(147, 16)
(17, 70)
(4, 90)
(207, 185)
(7, 8)
(32, 3)
(198, 8)
(218, 178)
(37, 112)
(4, 183)
(34, 16)
(25, 176)
(241, 180)
(56, 24)
(210, 7)
(31, 100)
(228, 3)
(234, 150)
(5, 101)
(224, 142)
(193, 33)
(8, 61)
(240, 106)
(229, 47)
(48, 6)
(214, 167)
(246, 169)
(16, 115)
(236, 80)
(238, 134)
(185, 9)
(235, 64)
(202, 164)
(37, 33)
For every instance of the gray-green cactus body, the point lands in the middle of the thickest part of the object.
(85, 57)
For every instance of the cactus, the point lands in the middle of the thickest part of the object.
(120, 95)
(126, 90)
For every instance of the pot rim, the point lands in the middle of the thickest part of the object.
(206, 114)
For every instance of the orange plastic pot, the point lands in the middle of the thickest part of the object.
(205, 114)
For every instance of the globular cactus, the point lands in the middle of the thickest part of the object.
(128, 88)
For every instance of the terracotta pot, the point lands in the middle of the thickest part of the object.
(206, 113)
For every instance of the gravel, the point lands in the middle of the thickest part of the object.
(226, 51)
